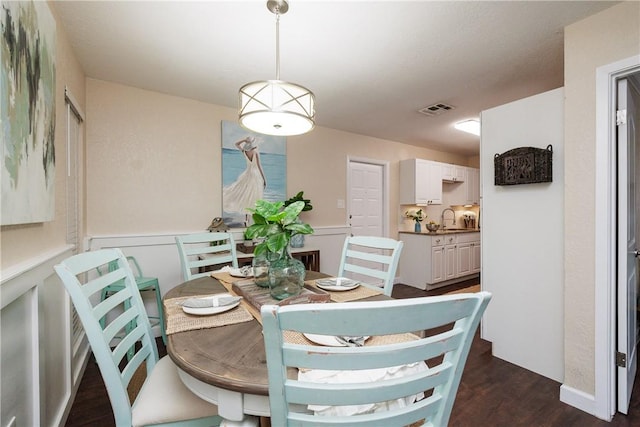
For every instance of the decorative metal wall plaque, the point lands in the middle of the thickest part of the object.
(524, 165)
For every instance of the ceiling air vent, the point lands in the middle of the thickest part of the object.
(436, 109)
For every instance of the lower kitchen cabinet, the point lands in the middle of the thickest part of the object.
(464, 258)
(450, 258)
(432, 260)
(437, 265)
(475, 257)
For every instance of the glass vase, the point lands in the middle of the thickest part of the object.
(417, 228)
(286, 276)
(260, 264)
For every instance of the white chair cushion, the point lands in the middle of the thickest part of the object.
(154, 405)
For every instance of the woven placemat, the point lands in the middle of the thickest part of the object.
(179, 321)
(293, 337)
(224, 276)
(360, 292)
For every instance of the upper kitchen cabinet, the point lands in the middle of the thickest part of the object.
(420, 182)
(472, 184)
(453, 173)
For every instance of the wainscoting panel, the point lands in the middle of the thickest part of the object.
(35, 350)
(20, 359)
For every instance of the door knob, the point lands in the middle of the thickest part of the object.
(636, 253)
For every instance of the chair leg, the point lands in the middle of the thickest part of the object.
(160, 312)
(103, 296)
(128, 328)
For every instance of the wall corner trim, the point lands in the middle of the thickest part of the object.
(578, 399)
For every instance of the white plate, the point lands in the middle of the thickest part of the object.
(237, 272)
(205, 311)
(332, 284)
(328, 340)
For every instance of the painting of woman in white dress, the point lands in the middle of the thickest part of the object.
(253, 168)
(250, 185)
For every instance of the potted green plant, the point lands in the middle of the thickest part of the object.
(299, 198)
(297, 240)
(418, 216)
(275, 224)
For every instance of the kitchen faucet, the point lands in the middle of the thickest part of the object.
(442, 217)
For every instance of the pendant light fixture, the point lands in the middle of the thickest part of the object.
(276, 107)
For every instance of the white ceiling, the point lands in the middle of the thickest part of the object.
(371, 64)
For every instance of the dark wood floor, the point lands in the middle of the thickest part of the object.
(492, 392)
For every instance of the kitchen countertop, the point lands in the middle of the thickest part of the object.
(445, 231)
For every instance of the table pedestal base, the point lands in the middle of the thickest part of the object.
(249, 421)
(237, 409)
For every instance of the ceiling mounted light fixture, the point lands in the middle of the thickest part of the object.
(469, 126)
(275, 107)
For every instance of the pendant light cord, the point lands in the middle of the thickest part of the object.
(277, 43)
(275, 107)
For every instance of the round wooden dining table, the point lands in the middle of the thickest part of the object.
(225, 365)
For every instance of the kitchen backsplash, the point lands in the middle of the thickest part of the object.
(434, 212)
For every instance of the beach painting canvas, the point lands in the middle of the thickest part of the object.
(27, 112)
(254, 166)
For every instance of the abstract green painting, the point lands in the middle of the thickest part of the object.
(27, 112)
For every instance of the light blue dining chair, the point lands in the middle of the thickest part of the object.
(371, 256)
(450, 321)
(163, 399)
(145, 283)
(201, 250)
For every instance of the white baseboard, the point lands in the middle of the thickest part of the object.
(578, 399)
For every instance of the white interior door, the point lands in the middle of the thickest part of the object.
(366, 199)
(628, 232)
(367, 206)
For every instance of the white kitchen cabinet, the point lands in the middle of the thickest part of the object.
(464, 259)
(453, 173)
(472, 186)
(450, 258)
(444, 263)
(429, 261)
(450, 263)
(468, 254)
(420, 182)
(437, 264)
(475, 257)
(434, 184)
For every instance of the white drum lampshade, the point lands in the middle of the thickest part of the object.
(276, 107)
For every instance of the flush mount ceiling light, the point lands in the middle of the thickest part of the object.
(469, 126)
(275, 107)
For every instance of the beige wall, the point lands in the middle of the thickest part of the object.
(607, 37)
(20, 242)
(42, 370)
(153, 163)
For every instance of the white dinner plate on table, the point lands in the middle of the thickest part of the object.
(328, 340)
(337, 284)
(241, 272)
(206, 311)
